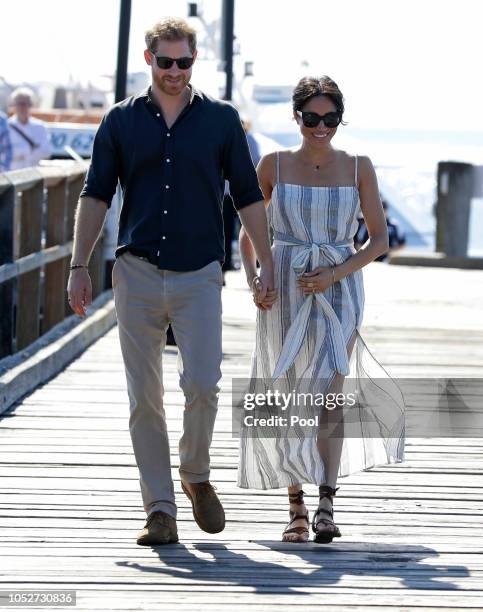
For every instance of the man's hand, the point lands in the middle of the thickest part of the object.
(79, 290)
(264, 292)
(89, 219)
(255, 244)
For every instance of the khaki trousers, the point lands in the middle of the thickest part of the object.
(147, 300)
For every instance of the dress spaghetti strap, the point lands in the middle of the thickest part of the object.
(355, 178)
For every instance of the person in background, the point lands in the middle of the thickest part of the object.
(252, 142)
(5, 144)
(29, 136)
(229, 212)
(396, 236)
(229, 216)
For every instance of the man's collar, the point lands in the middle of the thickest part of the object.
(146, 94)
(194, 92)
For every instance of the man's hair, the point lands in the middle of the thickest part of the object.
(171, 29)
(22, 92)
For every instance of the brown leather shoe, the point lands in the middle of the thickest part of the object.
(160, 528)
(207, 509)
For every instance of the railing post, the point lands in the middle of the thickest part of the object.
(455, 190)
(30, 233)
(7, 225)
(55, 272)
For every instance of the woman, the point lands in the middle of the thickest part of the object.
(309, 331)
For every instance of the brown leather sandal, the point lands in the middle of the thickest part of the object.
(302, 532)
(324, 528)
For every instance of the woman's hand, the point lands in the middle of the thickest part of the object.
(318, 280)
(263, 298)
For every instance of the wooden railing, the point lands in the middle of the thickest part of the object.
(37, 208)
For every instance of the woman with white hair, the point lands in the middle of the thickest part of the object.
(29, 137)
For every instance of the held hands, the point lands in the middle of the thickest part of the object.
(317, 281)
(79, 290)
(264, 294)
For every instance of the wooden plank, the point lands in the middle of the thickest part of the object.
(51, 503)
(205, 595)
(34, 260)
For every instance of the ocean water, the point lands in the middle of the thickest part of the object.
(406, 164)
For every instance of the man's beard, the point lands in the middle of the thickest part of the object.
(171, 89)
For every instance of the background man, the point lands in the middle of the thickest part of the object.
(230, 224)
(171, 147)
(30, 140)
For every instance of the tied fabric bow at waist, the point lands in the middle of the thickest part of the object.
(297, 331)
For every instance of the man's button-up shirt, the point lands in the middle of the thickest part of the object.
(172, 179)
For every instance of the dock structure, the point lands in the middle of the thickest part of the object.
(70, 504)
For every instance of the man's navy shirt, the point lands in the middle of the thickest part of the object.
(172, 179)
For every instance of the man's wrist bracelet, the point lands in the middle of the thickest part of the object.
(75, 266)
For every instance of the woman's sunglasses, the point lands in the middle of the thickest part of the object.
(312, 120)
(165, 63)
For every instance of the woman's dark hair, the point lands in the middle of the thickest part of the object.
(310, 87)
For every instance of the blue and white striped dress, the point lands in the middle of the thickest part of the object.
(305, 338)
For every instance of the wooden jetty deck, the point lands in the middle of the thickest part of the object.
(412, 534)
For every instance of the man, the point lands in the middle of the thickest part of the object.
(5, 144)
(30, 140)
(171, 147)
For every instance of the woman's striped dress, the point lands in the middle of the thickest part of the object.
(302, 342)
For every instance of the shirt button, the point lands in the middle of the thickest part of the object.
(168, 160)
(168, 134)
(157, 115)
(165, 212)
(167, 186)
(164, 237)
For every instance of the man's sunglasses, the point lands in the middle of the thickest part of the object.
(312, 120)
(165, 63)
